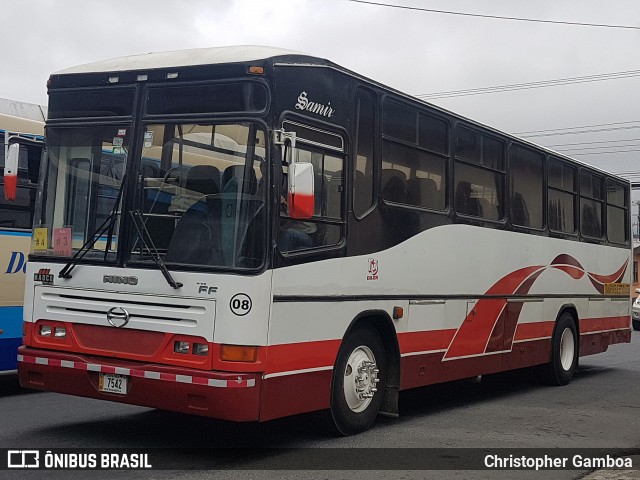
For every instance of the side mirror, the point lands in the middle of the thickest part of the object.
(300, 186)
(11, 172)
(637, 290)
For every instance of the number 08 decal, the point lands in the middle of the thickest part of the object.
(240, 304)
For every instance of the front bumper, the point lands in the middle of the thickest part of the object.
(222, 395)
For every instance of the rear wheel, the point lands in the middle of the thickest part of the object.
(358, 382)
(636, 324)
(564, 355)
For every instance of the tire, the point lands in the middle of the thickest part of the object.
(636, 324)
(564, 354)
(360, 368)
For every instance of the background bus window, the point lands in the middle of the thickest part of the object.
(562, 196)
(591, 204)
(19, 213)
(526, 177)
(617, 213)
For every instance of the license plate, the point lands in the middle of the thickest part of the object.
(112, 383)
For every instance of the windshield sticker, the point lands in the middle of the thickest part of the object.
(122, 132)
(62, 242)
(148, 139)
(118, 141)
(40, 239)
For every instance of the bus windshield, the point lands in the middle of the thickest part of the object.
(198, 196)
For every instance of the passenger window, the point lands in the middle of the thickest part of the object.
(617, 213)
(591, 205)
(478, 175)
(526, 177)
(363, 166)
(325, 227)
(561, 197)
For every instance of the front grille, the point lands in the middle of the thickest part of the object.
(180, 315)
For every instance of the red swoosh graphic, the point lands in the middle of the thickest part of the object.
(491, 325)
(473, 335)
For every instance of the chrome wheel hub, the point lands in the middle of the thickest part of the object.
(360, 379)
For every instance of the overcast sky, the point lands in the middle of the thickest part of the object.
(414, 51)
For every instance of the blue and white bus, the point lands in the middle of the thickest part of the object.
(16, 218)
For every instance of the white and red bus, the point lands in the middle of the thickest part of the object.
(16, 218)
(247, 233)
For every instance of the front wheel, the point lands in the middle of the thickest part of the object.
(564, 355)
(358, 382)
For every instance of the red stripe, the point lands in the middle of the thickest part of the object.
(301, 356)
(530, 331)
(605, 323)
(235, 384)
(431, 340)
(28, 359)
(199, 380)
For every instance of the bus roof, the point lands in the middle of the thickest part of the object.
(9, 123)
(249, 53)
(184, 58)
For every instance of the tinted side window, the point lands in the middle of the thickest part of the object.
(526, 178)
(400, 122)
(479, 175)
(561, 196)
(617, 212)
(433, 134)
(413, 176)
(414, 162)
(363, 166)
(591, 204)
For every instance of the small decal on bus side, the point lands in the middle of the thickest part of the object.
(305, 105)
(43, 275)
(240, 304)
(373, 269)
(204, 288)
(617, 289)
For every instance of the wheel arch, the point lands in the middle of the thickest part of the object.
(381, 322)
(571, 309)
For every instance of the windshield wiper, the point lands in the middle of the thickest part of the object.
(150, 247)
(108, 224)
